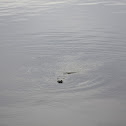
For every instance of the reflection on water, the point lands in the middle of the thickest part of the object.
(35, 7)
(70, 40)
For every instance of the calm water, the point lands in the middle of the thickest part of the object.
(42, 41)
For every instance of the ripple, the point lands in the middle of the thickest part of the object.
(107, 2)
(26, 7)
(54, 55)
(44, 75)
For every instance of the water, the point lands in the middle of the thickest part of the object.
(79, 42)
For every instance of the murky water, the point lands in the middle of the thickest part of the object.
(82, 43)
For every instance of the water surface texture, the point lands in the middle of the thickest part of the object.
(82, 42)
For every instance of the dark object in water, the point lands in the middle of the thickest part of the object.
(60, 81)
(69, 72)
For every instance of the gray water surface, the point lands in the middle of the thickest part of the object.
(80, 42)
